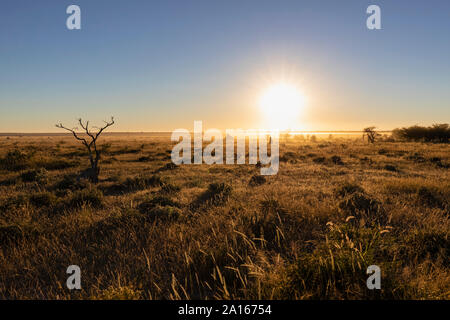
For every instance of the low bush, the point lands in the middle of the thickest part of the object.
(72, 182)
(169, 188)
(365, 209)
(257, 180)
(424, 244)
(87, 197)
(337, 160)
(429, 198)
(57, 164)
(391, 168)
(163, 213)
(216, 194)
(37, 175)
(159, 200)
(134, 184)
(289, 156)
(16, 160)
(319, 160)
(435, 133)
(43, 199)
(348, 188)
(167, 167)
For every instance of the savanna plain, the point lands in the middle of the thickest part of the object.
(150, 229)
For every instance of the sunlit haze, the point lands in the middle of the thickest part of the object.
(160, 65)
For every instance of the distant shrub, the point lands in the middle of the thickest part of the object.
(357, 202)
(16, 160)
(105, 148)
(161, 200)
(416, 157)
(390, 167)
(10, 181)
(160, 207)
(430, 198)
(428, 244)
(43, 199)
(142, 182)
(289, 156)
(163, 213)
(144, 159)
(13, 202)
(438, 162)
(257, 180)
(435, 133)
(337, 160)
(263, 224)
(167, 167)
(319, 160)
(112, 225)
(123, 151)
(72, 182)
(91, 197)
(366, 210)
(38, 175)
(57, 164)
(216, 194)
(134, 184)
(366, 160)
(348, 188)
(435, 159)
(271, 206)
(76, 153)
(170, 188)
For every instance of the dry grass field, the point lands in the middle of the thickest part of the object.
(153, 230)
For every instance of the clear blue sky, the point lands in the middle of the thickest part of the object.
(160, 65)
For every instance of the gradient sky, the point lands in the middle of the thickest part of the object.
(160, 65)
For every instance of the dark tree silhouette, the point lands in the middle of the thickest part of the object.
(90, 142)
(436, 133)
(371, 134)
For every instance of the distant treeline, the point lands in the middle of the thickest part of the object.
(435, 133)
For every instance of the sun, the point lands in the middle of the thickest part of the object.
(281, 105)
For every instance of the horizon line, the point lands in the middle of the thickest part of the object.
(169, 132)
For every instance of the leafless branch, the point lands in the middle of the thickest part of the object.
(89, 145)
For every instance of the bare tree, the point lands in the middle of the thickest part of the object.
(90, 142)
(371, 134)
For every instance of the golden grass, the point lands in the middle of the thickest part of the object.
(149, 231)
